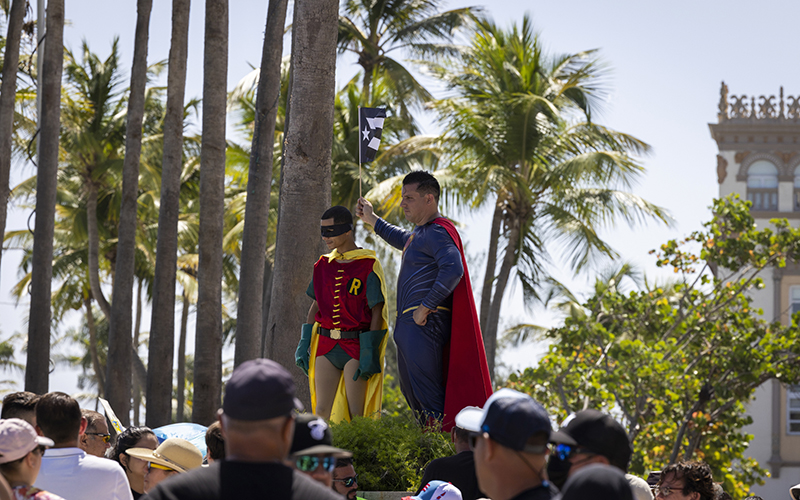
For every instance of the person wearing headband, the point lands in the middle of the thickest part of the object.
(343, 343)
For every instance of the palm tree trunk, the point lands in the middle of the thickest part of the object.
(267, 297)
(256, 220)
(162, 329)
(493, 320)
(491, 266)
(8, 93)
(306, 182)
(98, 370)
(120, 355)
(180, 397)
(137, 384)
(37, 367)
(208, 337)
(94, 249)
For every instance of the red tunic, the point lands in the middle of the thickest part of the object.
(340, 290)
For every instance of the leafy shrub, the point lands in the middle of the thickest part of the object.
(390, 453)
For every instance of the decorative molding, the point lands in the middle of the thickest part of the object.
(774, 214)
(763, 107)
(722, 169)
(740, 156)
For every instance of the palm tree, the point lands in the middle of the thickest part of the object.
(208, 347)
(162, 332)
(38, 359)
(306, 180)
(374, 29)
(521, 122)
(8, 93)
(259, 184)
(120, 352)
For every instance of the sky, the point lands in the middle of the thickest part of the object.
(666, 61)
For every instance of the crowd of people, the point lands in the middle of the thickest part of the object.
(264, 446)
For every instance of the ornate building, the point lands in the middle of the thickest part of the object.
(759, 158)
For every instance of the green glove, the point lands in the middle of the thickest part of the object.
(369, 362)
(301, 354)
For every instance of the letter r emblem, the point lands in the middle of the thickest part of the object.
(354, 286)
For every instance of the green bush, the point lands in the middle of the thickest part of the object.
(390, 453)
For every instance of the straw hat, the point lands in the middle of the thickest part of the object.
(175, 453)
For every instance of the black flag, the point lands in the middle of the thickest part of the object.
(370, 121)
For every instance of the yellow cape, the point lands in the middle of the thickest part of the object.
(374, 396)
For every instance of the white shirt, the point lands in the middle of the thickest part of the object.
(74, 475)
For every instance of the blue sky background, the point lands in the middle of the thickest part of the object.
(667, 60)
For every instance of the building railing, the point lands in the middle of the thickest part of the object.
(741, 107)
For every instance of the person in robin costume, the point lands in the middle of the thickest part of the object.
(440, 354)
(343, 343)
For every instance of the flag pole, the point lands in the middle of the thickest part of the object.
(359, 151)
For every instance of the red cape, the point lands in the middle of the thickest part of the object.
(467, 380)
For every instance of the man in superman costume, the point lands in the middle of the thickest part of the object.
(440, 354)
(343, 344)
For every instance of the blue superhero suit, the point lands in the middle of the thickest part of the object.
(430, 270)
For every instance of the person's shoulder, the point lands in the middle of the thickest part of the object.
(91, 462)
(196, 484)
(305, 487)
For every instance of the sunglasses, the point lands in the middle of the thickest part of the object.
(473, 439)
(348, 481)
(151, 465)
(105, 437)
(565, 451)
(309, 463)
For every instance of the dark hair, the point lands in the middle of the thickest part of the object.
(215, 442)
(462, 435)
(426, 183)
(343, 462)
(19, 404)
(59, 417)
(11, 467)
(92, 417)
(696, 477)
(339, 214)
(127, 440)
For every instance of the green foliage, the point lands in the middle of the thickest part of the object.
(390, 453)
(675, 363)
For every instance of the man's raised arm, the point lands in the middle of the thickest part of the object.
(393, 235)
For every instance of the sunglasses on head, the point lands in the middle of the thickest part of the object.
(151, 465)
(104, 436)
(309, 463)
(348, 481)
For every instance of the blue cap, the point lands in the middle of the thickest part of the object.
(510, 418)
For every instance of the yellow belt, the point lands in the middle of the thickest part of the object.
(440, 308)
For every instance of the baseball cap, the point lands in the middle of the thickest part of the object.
(17, 439)
(437, 490)
(259, 389)
(312, 436)
(599, 482)
(176, 453)
(599, 433)
(510, 418)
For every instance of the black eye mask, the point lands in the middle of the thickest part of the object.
(335, 230)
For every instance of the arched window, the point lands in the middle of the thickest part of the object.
(762, 185)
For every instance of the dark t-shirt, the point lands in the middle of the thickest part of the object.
(459, 470)
(239, 480)
(541, 492)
